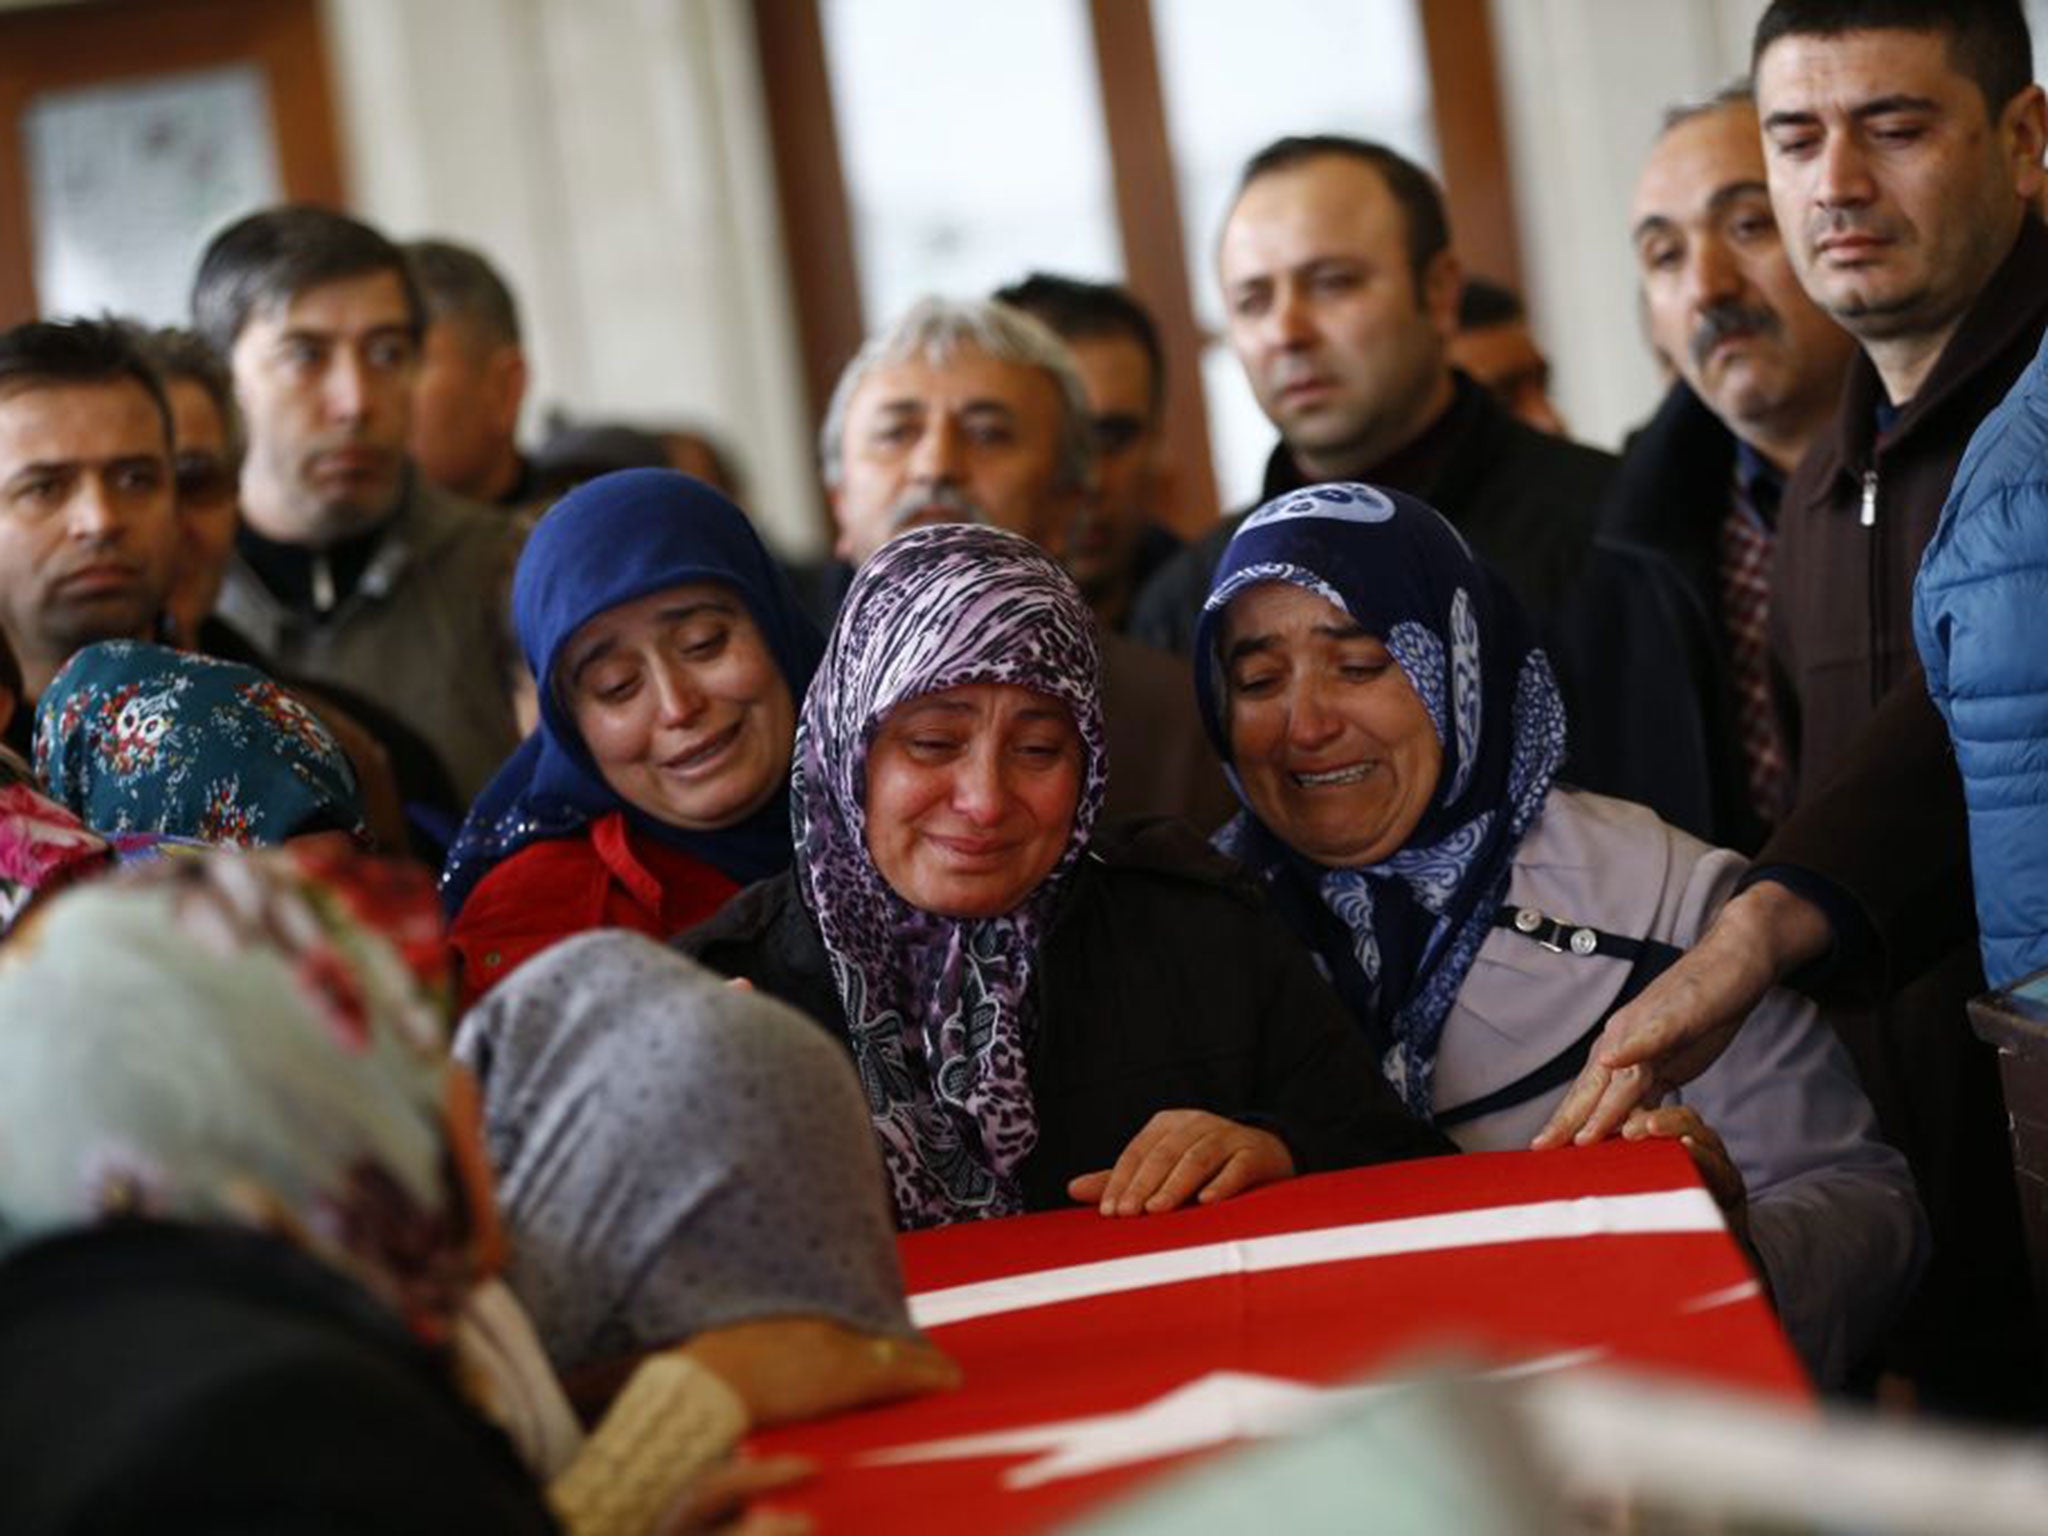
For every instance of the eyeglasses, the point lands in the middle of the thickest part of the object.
(203, 479)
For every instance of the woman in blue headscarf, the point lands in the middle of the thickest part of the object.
(1395, 736)
(668, 655)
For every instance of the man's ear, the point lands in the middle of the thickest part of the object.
(506, 372)
(1443, 281)
(2024, 126)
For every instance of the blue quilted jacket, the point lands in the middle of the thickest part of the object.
(1980, 618)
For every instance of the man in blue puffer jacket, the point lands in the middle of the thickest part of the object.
(1980, 613)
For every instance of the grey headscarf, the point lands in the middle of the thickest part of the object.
(672, 1154)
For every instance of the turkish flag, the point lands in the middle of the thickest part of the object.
(1098, 1352)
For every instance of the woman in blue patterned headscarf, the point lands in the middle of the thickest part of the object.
(1451, 784)
(668, 654)
(1028, 1002)
(1394, 733)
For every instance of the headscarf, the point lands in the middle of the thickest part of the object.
(620, 537)
(937, 1006)
(42, 845)
(1398, 937)
(223, 1040)
(142, 738)
(674, 1154)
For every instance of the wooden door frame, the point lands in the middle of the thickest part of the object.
(79, 45)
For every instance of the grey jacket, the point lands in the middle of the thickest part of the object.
(420, 635)
(1832, 1210)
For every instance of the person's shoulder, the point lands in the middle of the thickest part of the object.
(1617, 864)
(1166, 853)
(753, 918)
(438, 524)
(1566, 467)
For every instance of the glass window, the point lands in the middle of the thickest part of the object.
(1236, 77)
(973, 144)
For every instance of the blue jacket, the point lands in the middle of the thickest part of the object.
(1980, 619)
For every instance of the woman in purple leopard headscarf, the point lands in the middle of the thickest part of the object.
(1027, 1004)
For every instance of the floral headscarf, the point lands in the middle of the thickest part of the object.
(610, 541)
(1398, 937)
(937, 1005)
(42, 845)
(142, 738)
(221, 1039)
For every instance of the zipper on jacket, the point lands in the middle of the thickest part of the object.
(1868, 516)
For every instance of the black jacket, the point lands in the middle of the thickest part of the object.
(1672, 494)
(157, 1377)
(1162, 983)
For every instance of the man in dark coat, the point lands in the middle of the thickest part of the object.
(1759, 369)
(1342, 295)
(1904, 147)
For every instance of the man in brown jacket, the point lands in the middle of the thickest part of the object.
(1903, 143)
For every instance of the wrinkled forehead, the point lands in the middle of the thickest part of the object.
(1812, 72)
(1707, 156)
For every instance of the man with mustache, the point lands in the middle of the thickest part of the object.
(1759, 369)
(87, 517)
(1903, 143)
(971, 411)
(350, 568)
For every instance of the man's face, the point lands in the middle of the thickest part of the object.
(87, 520)
(969, 439)
(1345, 356)
(465, 408)
(1116, 373)
(1506, 359)
(1897, 192)
(1722, 302)
(326, 381)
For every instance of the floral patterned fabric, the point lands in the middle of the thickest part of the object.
(221, 1039)
(139, 738)
(42, 845)
(1406, 930)
(938, 1006)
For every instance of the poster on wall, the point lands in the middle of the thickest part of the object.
(127, 182)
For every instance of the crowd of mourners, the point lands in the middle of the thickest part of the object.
(1473, 789)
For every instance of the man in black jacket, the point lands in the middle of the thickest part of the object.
(1342, 295)
(1760, 368)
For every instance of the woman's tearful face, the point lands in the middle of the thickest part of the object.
(1334, 747)
(971, 793)
(679, 700)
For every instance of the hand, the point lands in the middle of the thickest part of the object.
(1723, 1179)
(1182, 1153)
(717, 1501)
(790, 1368)
(1687, 1016)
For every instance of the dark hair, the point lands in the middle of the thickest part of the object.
(271, 257)
(1076, 311)
(1987, 39)
(177, 353)
(1421, 200)
(1484, 303)
(457, 283)
(60, 352)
